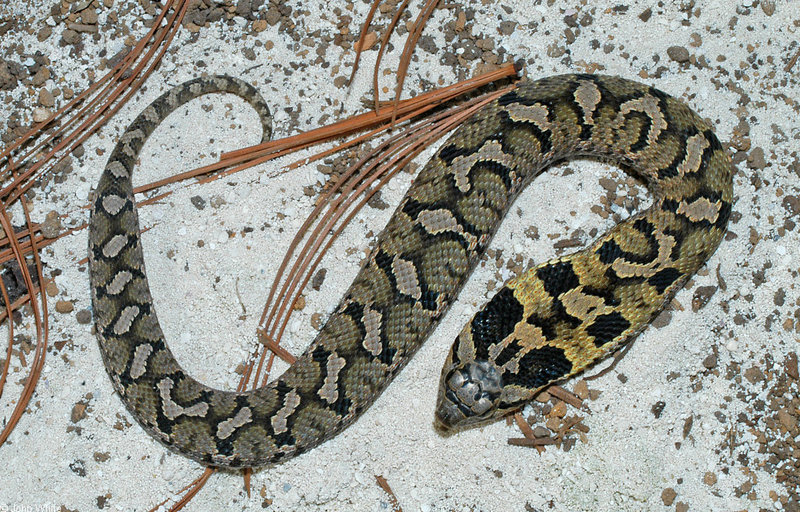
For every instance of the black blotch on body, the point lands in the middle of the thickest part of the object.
(545, 142)
(558, 277)
(606, 293)
(496, 168)
(645, 125)
(538, 367)
(671, 170)
(606, 328)
(507, 354)
(451, 152)
(355, 311)
(384, 262)
(610, 250)
(663, 279)
(495, 321)
(546, 324)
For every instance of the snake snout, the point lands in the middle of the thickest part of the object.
(468, 395)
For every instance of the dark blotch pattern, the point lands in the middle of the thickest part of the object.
(607, 328)
(558, 277)
(539, 367)
(496, 321)
(662, 279)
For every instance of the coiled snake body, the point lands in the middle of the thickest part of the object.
(543, 326)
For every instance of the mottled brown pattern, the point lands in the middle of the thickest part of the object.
(545, 325)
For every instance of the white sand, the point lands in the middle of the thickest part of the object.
(630, 456)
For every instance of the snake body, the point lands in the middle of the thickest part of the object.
(548, 324)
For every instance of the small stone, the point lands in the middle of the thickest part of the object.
(581, 389)
(710, 362)
(658, 408)
(768, 6)
(198, 202)
(791, 366)
(668, 496)
(681, 507)
(755, 159)
(7, 79)
(318, 279)
(44, 33)
(687, 426)
(507, 27)
(701, 297)
(369, 41)
(540, 432)
(64, 306)
(791, 204)
(259, 26)
(608, 184)
(300, 303)
(340, 82)
(559, 410)
(83, 316)
(51, 227)
(70, 36)
(41, 76)
(273, 16)
(645, 15)
(316, 321)
(41, 115)
(244, 8)
(786, 419)
(678, 54)
(709, 478)
(754, 375)
(46, 98)
(78, 412)
(51, 289)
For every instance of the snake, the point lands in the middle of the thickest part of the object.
(543, 326)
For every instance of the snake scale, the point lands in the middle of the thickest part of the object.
(543, 326)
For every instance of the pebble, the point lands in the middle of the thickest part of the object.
(51, 227)
(40, 77)
(44, 33)
(51, 289)
(678, 54)
(64, 306)
(755, 159)
(84, 316)
(78, 412)
(668, 496)
(41, 115)
(540, 432)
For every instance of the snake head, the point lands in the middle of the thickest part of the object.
(469, 395)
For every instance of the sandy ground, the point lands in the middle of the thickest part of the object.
(700, 415)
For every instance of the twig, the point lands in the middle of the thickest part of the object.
(388, 490)
(565, 396)
(792, 61)
(533, 443)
